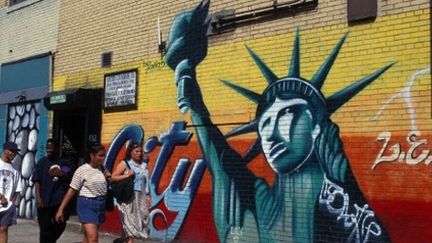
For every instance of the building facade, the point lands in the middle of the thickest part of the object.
(286, 121)
(28, 40)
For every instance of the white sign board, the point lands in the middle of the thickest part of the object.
(121, 90)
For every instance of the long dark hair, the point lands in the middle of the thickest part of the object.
(94, 149)
(131, 146)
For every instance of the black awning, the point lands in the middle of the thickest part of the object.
(72, 98)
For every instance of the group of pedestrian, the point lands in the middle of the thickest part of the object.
(56, 186)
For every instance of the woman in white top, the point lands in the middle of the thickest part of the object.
(134, 213)
(90, 182)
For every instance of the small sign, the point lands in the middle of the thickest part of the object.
(121, 90)
(57, 99)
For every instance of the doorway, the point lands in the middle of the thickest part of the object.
(69, 128)
(77, 121)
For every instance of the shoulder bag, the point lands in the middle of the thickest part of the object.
(123, 190)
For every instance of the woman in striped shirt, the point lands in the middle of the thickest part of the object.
(90, 182)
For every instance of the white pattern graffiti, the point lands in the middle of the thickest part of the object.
(337, 202)
(23, 129)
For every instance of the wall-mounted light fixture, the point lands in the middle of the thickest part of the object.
(161, 42)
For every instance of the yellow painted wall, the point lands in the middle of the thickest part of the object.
(395, 188)
(402, 38)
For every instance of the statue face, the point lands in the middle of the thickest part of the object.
(287, 133)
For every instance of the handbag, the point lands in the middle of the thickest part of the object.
(123, 190)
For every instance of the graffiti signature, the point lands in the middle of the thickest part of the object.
(412, 157)
(150, 66)
(362, 221)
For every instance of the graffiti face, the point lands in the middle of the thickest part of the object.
(287, 133)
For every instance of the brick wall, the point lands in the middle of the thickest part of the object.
(384, 128)
(29, 30)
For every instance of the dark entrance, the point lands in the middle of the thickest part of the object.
(69, 130)
(76, 121)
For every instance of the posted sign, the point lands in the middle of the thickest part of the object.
(121, 90)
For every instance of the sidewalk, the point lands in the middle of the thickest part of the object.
(28, 231)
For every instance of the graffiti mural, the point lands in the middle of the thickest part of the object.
(416, 153)
(176, 198)
(23, 129)
(315, 196)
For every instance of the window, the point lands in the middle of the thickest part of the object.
(361, 10)
(106, 59)
(228, 19)
(13, 2)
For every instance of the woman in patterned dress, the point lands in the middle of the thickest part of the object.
(134, 213)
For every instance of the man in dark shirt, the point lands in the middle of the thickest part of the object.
(51, 178)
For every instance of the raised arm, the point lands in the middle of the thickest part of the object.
(187, 48)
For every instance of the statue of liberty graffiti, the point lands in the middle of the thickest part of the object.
(315, 196)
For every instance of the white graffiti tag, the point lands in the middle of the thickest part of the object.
(405, 94)
(415, 155)
(361, 222)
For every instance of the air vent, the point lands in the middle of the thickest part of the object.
(106, 60)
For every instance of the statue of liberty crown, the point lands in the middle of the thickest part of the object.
(294, 84)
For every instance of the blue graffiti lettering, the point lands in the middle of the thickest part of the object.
(175, 198)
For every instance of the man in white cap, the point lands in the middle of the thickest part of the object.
(10, 187)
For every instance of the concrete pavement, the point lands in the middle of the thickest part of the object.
(27, 231)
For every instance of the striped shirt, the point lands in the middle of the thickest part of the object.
(90, 182)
